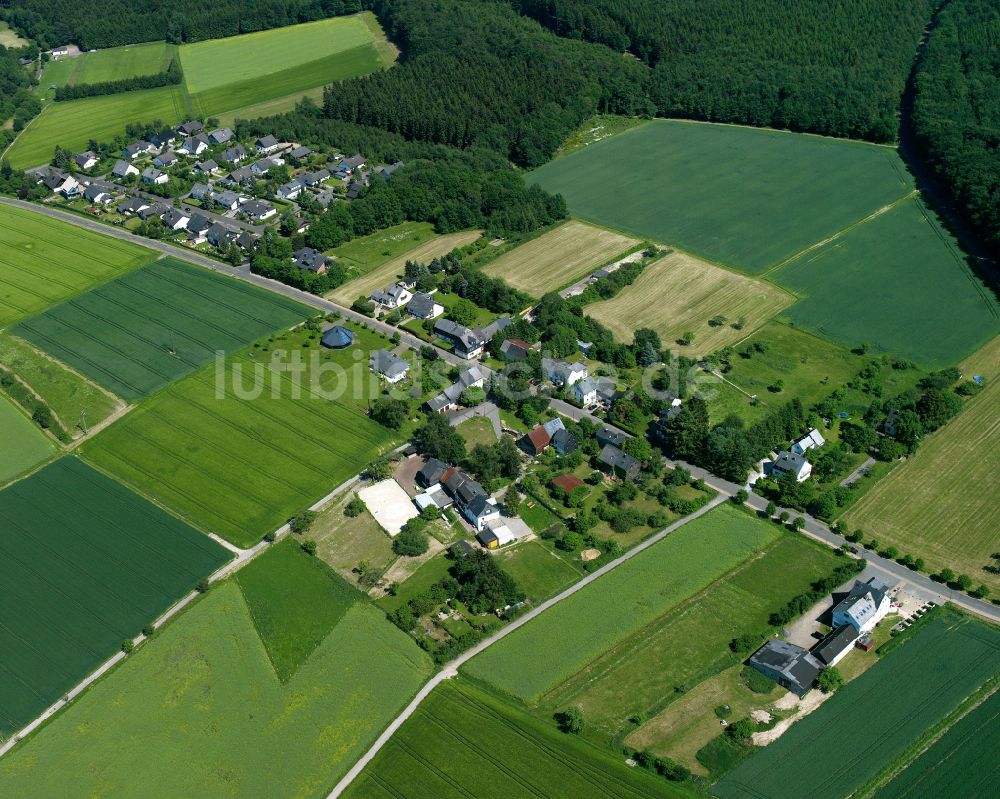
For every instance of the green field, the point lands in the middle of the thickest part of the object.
(148, 328)
(44, 261)
(294, 600)
(557, 645)
(873, 719)
(462, 743)
(741, 196)
(343, 541)
(921, 300)
(691, 641)
(365, 253)
(84, 564)
(118, 63)
(241, 462)
(198, 711)
(71, 397)
(538, 571)
(9, 38)
(24, 444)
(961, 763)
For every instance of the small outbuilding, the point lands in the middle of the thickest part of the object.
(337, 338)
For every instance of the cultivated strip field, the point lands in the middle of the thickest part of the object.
(44, 261)
(741, 196)
(24, 444)
(897, 282)
(135, 334)
(558, 644)
(559, 257)
(830, 753)
(462, 743)
(84, 564)
(680, 294)
(392, 269)
(239, 458)
(202, 693)
(942, 504)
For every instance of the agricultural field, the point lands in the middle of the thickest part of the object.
(118, 63)
(460, 739)
(559, 257)
(829, 754)
(242, 449)
(920, 298)
(365, 253)
(941, 504)
(680, 294)
(390, 270)
(44, 261)
(544, 654)
(202, 693)
(743, 197)
(641, 674)
(961, 763)
(24, 443)
(84, 564)
(71, 397)
(152, 326)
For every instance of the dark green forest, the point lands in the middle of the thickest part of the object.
(956, 112)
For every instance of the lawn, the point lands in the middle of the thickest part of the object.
(559, 257)
(680, 294)
(152, 326)
(552, 648)
(429, 572)
(741, 196)
(24, 443)
(44, 261)
(343, 542)
(461, 740)
(898, 283)
(538, 571)
(118, 63)
(392, 269)
(84, 564)
(941, 504)
(71, 396)
(203, 697)
(643, 673)
(241, 453)
(365, 253)
(478, 430)
(830, 753)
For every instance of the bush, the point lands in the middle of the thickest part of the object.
(412, 540)
(203, 585)
(723, 711)
(300, 523)
(127, 646)
(570, 720)
(741, 730)
(744, 644)
(830, 680)
(309, 546)
(148, 630)
(354, 508)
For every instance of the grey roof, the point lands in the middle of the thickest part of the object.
(227, 198)
(200, 191)
(389, 364)
(121, 168)
(242, 175)
(793, 662)
(616, 459)
(137, 147)
(191, 143)
(151, 173)
(480, 506)
(221, 135)
(790, 462)
(95, 190)
(353, 162)
(132, 205)
(206, 166)
(235, 153)
(460, 334)
(421, 304)
(494, 327)
(173, 216)
(54, 180)
(309, 259)
(462, 487)
(199, 223)
(219, 234)
(432, 471)
(354, 189)
(314, 178)
(83, 158)
(564, 441)
(262, 166)
(874, 588)
(158, 209)
(265, 142)
(257, 207)
(608, 435)
(827, 650)
(190, 127)
(300, 152)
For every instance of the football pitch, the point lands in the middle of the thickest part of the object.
(84, 564)
(148, 328)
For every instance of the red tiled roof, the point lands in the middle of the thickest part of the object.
(539, 438)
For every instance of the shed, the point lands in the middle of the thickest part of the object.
(337, 338)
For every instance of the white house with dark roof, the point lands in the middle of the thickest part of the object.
(229, 200)
(191, 127)
(564, 373)
(259, 210)
(135, 149)
(59, 183)
(197, 227)
(175, 219)
(206, 167)
(423, 306)
(310, 260)
(86, 160)
(290, 190)
(394, 296)
(448, 399)
(97, 194)
(865, 605)
(792, 463)
(266, 144)
(193, 145)
(165, 159)
(465, 341)
(299, 153)
(389, 366)
(234, 154)
(132, 205)
(153, 175)
(220, 136)
(122, 169)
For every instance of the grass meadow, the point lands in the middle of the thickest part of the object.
(918, 297)
(559, 257)
(744, 197)
(84, 564)
(202, 693)
(365, 253)
(242, 463)
(550, 650)
(680, 294)
(71, 396)
(343, 541)
(461, 740)
(154, 325)
(942, 504)
(537, 570)
(24, 444)
(118, 63)
(829, 754)
(44, 261)
(9, 38)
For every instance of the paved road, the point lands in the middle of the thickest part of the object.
(451, 668)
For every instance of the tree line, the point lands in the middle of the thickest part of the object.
(171, 76)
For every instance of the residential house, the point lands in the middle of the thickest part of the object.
(191, 127)
(240, 176)
(535, 441)
(325, 197)
(259, 210)
(433, 497)
(266, 145)
(206, 167)
(132, 205)
(157, 210)
(175, 219)
(394, 296)
(123, 169)
(890, 422)
(337, 337)
(349, 165)
(385, 172)
(390, 366)
(422, 306)
(310, 260)
(262, 167)
(135, 149)
(609, 436)
(831, 650)
(220, 136)
(471, 498)
(594, 389)
(234, 154)
(432, 472)
(486, 334)
(229, 200)
(496, 533)
(564, 442)
(299, 153)
(220, 236)
(246, 241)
(812, 439)
(153, 175)
(165, 138)
(514, 349)
(193, 145)
(466, 343)
(865, 605)
(58, 183)
(200, 192)
(197, 228)
(97, 194)
(563, 373)
(792, 463)
(165, 159)
(619, 463)
(448, 399)
(790, 666)
(354, 189)
(290, 190)
(87, 160)
(315, 178)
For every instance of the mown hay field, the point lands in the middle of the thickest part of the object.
(943, 504)
(740, 196)
(44, 261)
(898, 283)
(152, 326)
(560, 643)
(830, 753)
(84, 564)
(559, 257)
(24, 444)
(240, 447)
(202, 693)
(463, 743)
(680, 294)
(118, 63)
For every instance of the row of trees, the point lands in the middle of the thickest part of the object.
(171, 76)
